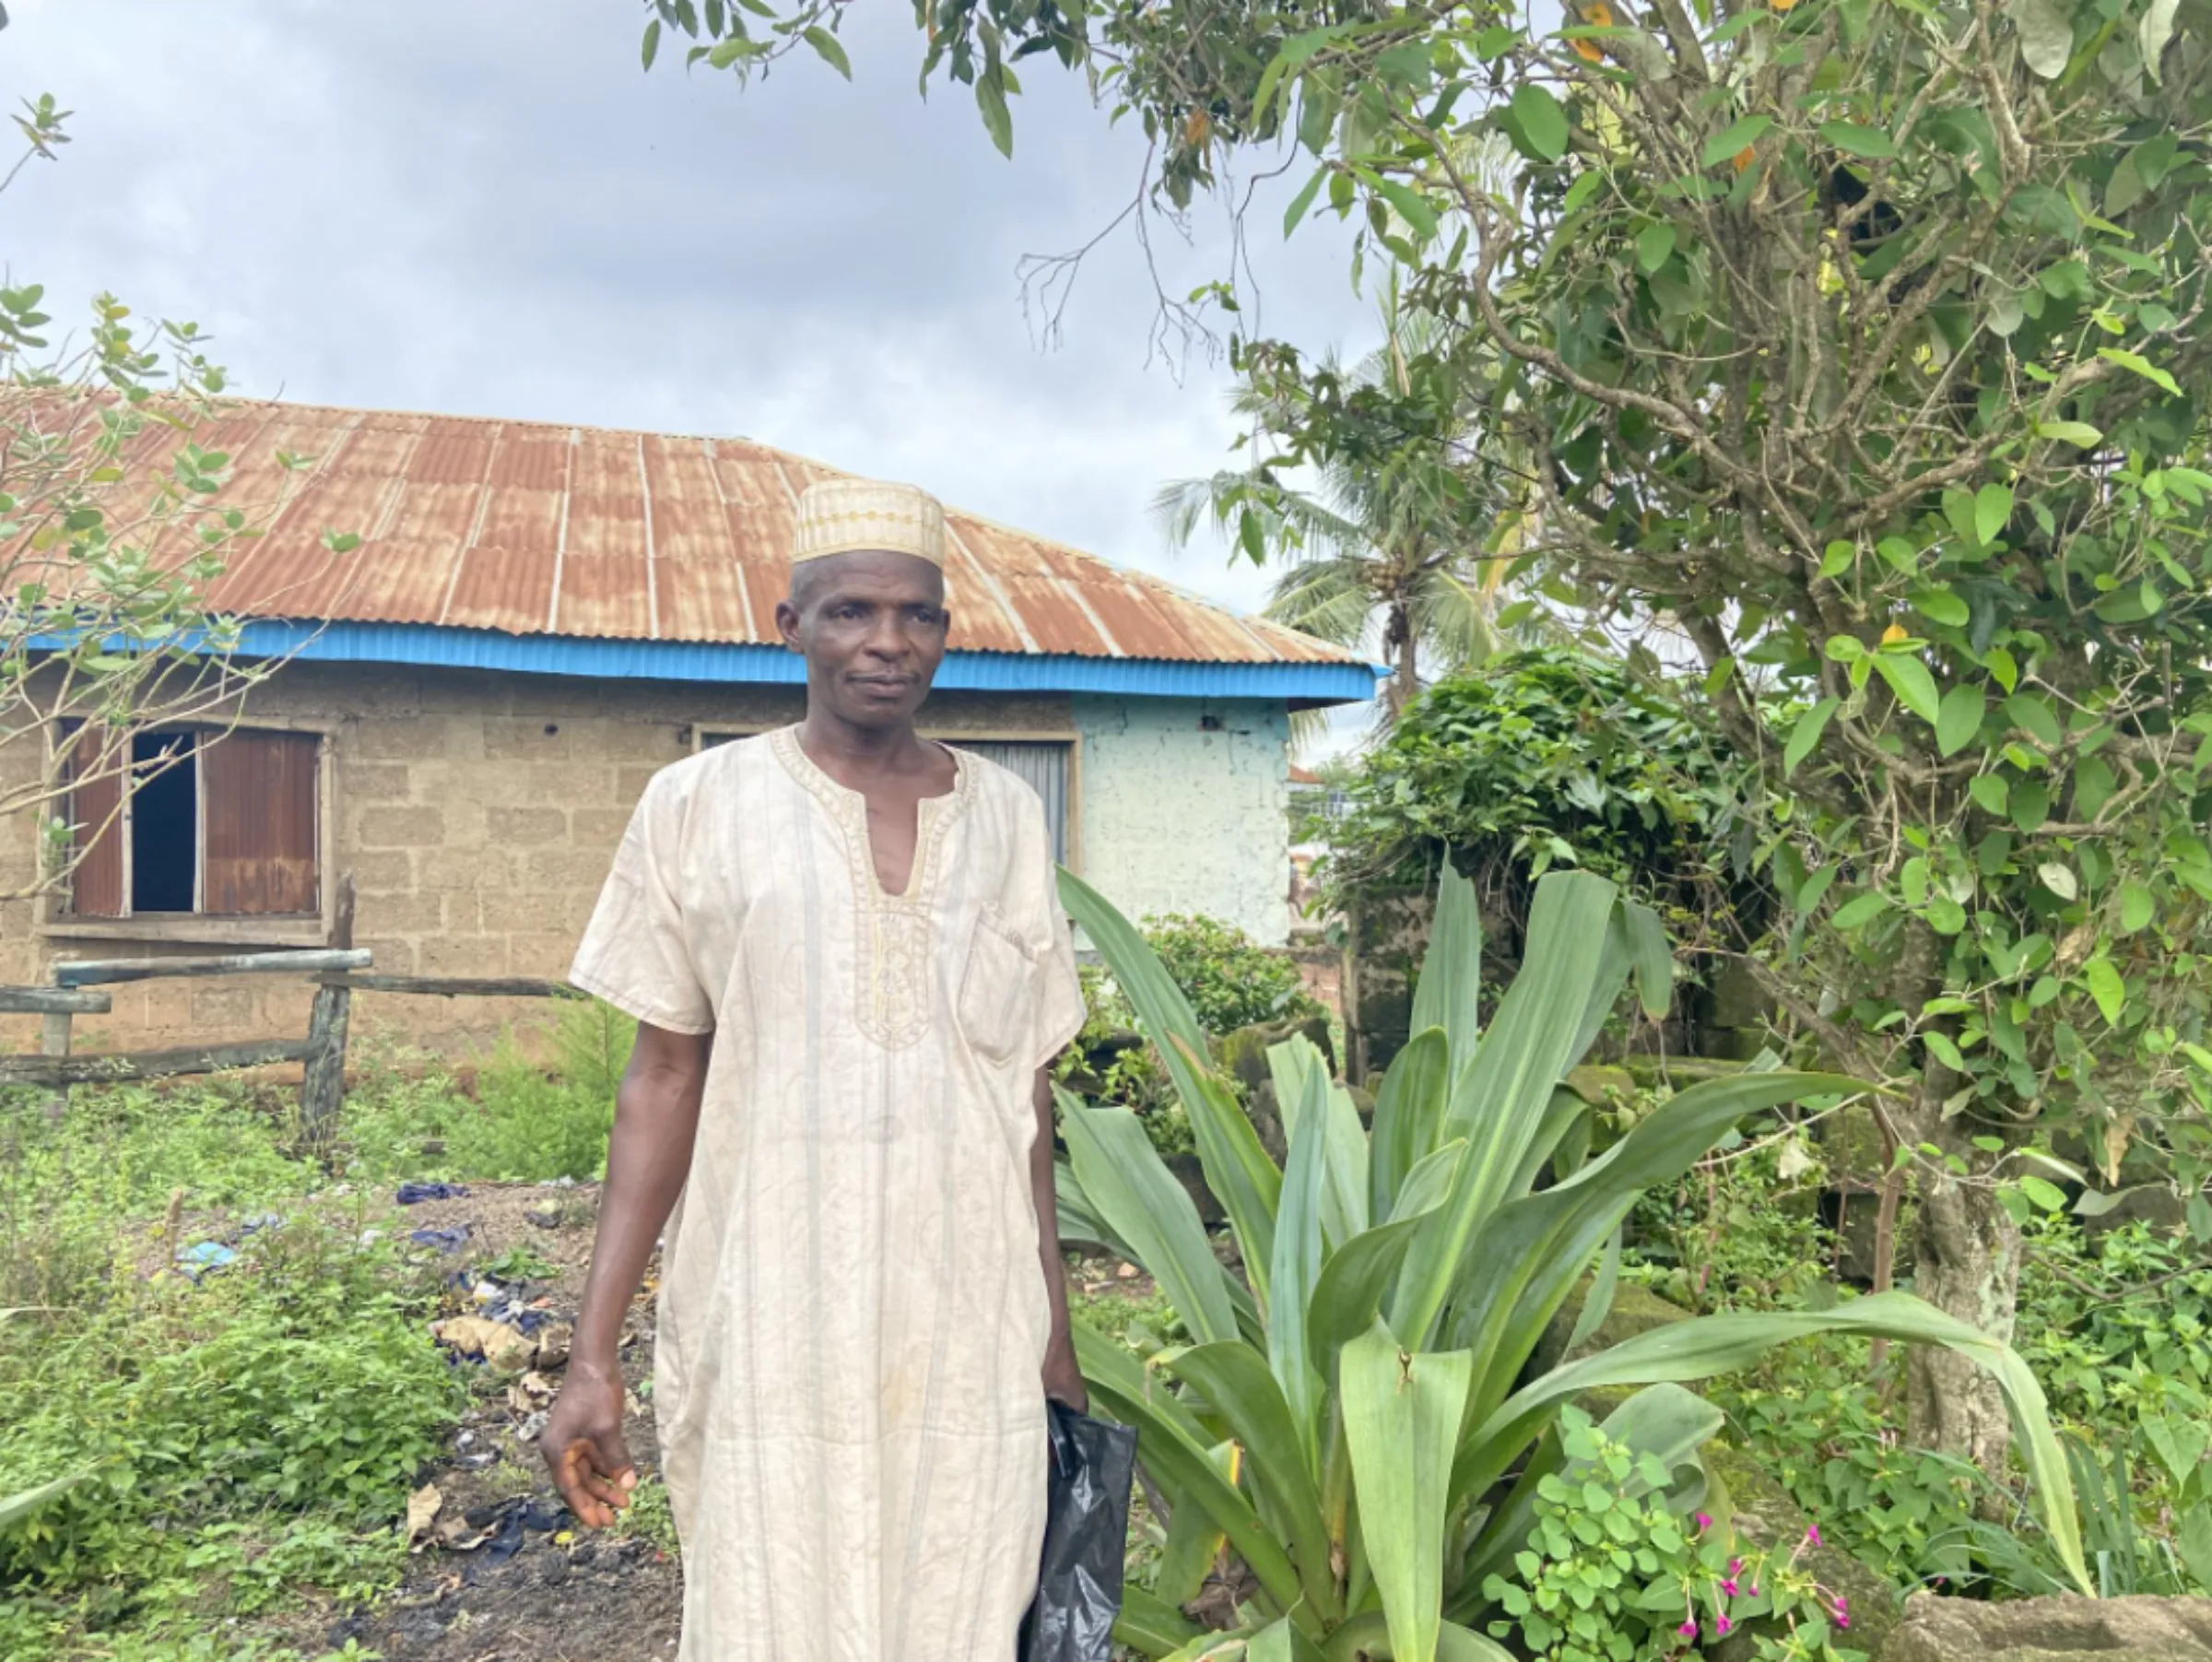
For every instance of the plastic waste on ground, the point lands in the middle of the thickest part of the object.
(1093, 1466)
(414, 1194)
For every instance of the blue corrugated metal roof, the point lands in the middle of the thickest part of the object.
(711, 660)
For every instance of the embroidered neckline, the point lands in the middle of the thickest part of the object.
(894, 1004)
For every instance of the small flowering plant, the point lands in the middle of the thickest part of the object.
(1612, 1572)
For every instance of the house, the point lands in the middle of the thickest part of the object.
(539, 616)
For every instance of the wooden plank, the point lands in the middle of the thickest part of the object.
(53, 1001)
(101, 971)
(323, 1091)
(258, 796)
(452, 988)
(100, 833)
(54, 1031)
(147, 1064)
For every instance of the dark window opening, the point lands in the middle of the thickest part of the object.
(207, 823)
(165, 822)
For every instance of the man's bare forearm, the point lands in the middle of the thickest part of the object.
(648, 1159)
(1063, 1378)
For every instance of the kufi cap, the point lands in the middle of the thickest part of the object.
(843, 516)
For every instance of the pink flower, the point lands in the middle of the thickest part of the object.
(1843, 1621)
(1725, 1626)
(1812, 1536)
(1689, 1629)
(1728, 1587)
(1754, 1589)
(1736, 1566)
(1704, 1522)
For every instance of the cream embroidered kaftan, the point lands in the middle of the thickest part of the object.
(853, 1318)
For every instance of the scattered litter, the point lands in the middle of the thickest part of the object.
(553, 1341)
(503, 1346)
(442, 1240)
(414, 1194)
(533, 1428)
(370, 1237)
(422, 1512)
(544, 1214)
(205, 1258)
(530, 1393)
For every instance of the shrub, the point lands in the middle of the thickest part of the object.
(1230, 980)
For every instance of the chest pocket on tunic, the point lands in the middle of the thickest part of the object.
(997, 989)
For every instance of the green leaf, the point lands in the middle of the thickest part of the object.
(1409, 1108)
(1733, 139)
(1237, 1384)
(1805, 735)
(1543, 121)
(652, 47)
(2153, 33)
(15, 1508)
(1237, 1168)
(2002, 667)
(1855, 140)
(1132, 1192)
(2059, 880)
(1358, 1274)
(1993, 508)
(2032, 715)
(1297, 1254)
(2137, 907)
(1941, 1047)
(1401, 1415)
(1940, 606)
(1857, 913)
(2107, 988)
(1655, 959)
(2077, 433)
(1910, 679)
(1296, 212)
(1990, 792)
(831, 52)
(1151, 1626)
(1653, 245)
(2046, 35)
(1705, 1346)
(1599, 1302)
(1837, 558)
(990, 100)
(1409, 205)
(1959, 718)
(2141, 366)
(1448, 991)
(2045, 1193)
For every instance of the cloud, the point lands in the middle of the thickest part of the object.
(489, 209)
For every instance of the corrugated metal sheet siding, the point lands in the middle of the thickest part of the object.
(536, 528)
(1042, 766)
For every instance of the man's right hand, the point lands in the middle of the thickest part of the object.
(583, 1445)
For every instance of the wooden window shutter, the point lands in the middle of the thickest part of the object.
(258, 804)
(101, 838)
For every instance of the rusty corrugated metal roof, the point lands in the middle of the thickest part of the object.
(536, 528)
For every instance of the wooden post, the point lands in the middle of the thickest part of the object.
(322, 1082)
(53, 1041)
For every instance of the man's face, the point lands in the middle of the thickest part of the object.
(871, 627)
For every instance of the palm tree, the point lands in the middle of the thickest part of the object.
(1409, 553)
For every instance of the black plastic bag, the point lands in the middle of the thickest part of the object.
(1086, 1534)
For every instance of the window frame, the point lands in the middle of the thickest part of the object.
(705, 734)
(56, 920)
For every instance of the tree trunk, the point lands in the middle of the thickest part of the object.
(1405, 684)
(1968, 1266)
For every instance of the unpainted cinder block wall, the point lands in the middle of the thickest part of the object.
(477, 814)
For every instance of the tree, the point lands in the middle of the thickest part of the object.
(1866, 346)
(1412, 545)
(106, 559)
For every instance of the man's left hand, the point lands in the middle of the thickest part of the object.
(1064, 1382)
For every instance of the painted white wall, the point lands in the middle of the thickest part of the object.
(1184, 807)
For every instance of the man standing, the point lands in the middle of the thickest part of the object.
(845, 951)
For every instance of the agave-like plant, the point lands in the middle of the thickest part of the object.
(1351, 1419)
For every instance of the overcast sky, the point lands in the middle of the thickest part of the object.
(488, 208)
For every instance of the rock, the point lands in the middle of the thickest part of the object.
(2152, 1203)
(503, 1346)
(1678, 1071)
(1363, 1103)
(1267, 1120)
(1851, 1144)
(1762, 1514)
(1735, 998)
(1635, 1309)
(1602, 1086)
(1244, 1053)
(2064, 1629)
